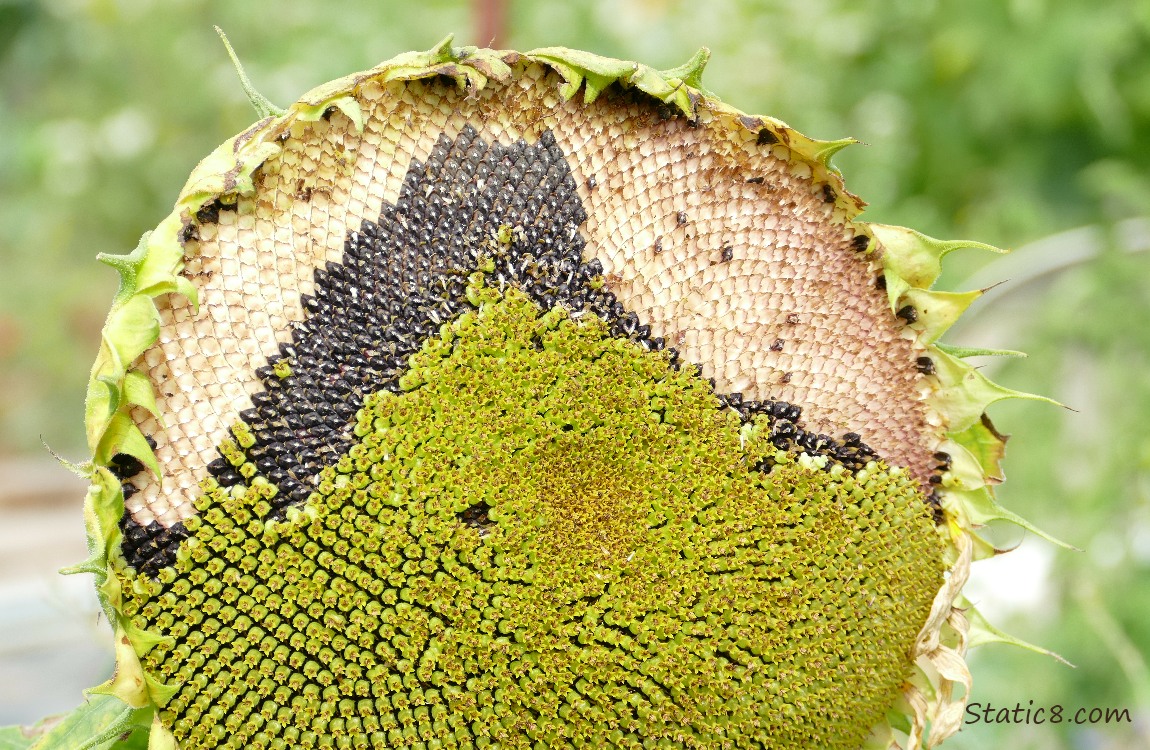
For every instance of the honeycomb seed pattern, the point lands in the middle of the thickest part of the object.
(719, 242)
(547, 535)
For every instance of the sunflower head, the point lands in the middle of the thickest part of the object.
(534, 399)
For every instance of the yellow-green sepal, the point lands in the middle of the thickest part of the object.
(133, 325)
(130, 329)
(121, 435)
(411, 65)
(975, 456)
(982, 632)
(978, 507)
(346, 104)
(144, 641)
(681, 86)
(103, 507)
(137, 389)
(227, 170)
(911, 259)
(153, 267)
(690, 73)
(965, 472)
(488, 62)
(962, 352)
(160, 692)
(937, 311)
(966, 393)
(129, 682)
(468, 66)
(983, 549)
(986, 446)
(128, 266)
(818, 150)
(579, 68)
(160, 737)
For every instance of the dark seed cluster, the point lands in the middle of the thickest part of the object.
(787, 434)
(512, 212)
(153, 546)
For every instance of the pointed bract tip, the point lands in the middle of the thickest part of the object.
(442, 50)
(915, 258)
(827, 149)
(260, 103)
(982, 632)
(972, 351)
(84, 470)
(128, 266)
(691, 72)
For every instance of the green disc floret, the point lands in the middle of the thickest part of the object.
(549, 537)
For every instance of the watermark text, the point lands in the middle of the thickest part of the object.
(991, 713)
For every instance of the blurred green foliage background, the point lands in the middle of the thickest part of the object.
(1009, 121)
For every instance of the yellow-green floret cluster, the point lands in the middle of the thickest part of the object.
(549, 538)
